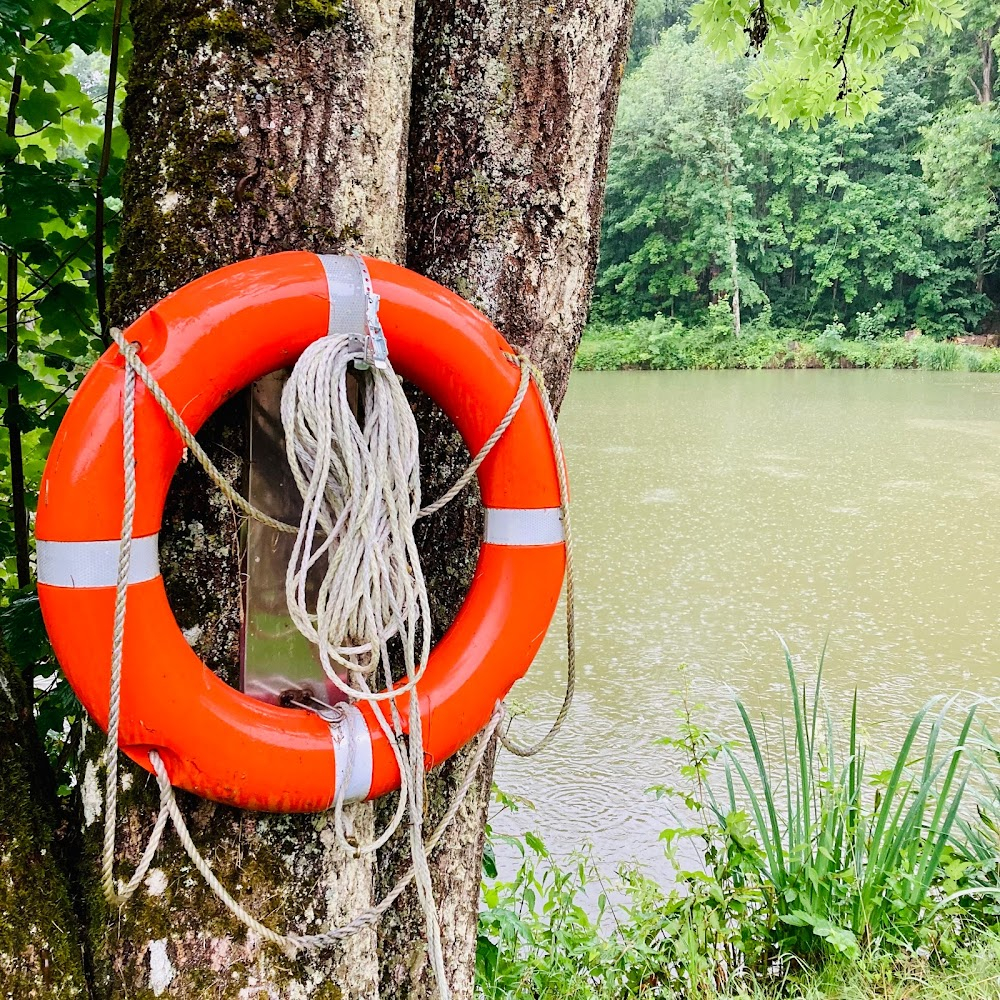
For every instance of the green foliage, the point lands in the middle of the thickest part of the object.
(815, 58)
(606, 349)
(56, 708)
(53, 75)
(961, 161)
(661, 343)
(535, 936)
(940, 357)
(983, 361)
(840, 223)
(53, 87)
(651, 19)
(841, 872)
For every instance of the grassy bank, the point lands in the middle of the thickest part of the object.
(818, 875)
(662, 343)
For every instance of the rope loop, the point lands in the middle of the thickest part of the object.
(361, 494)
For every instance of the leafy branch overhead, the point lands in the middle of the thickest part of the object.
(814, 58)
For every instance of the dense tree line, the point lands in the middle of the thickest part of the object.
(881, 225)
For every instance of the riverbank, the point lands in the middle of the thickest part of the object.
(801, 869)
(582, 963)
(663, 344)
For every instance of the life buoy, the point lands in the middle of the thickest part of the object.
(202, 344)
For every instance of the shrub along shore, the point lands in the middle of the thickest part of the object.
(665, 344)
(801, 868)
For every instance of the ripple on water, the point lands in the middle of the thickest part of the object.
(661, 495)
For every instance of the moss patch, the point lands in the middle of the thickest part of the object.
(312, 15)
(40, 953)
(224, 28)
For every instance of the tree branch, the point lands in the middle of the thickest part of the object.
(842, 59)
(25, 135)
(757, 27)
(12, 416)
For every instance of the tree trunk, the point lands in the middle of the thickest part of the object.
(255, 128)
(987, 60)
(262, 127)
(734, 266)
(981, 258)
(41, 954)
(724, 147)
(513, 108)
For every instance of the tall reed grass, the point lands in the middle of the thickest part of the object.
(851, 858)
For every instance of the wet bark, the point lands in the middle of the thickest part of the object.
(513, 107)
(255, 128)
(261, 127)
(41, 953)
(511, 122)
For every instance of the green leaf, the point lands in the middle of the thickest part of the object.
(489, 861)
(536, 844)
(39, 108)
(24, 633)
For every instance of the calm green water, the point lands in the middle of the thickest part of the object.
(716, 510)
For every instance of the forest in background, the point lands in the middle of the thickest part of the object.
(861, 229)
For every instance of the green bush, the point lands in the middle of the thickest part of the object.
(876, 323)
(941, 357)
(664, 343)
(829, 345)
(844, 872)
(610, 355)
(897, 353)
(984, 360)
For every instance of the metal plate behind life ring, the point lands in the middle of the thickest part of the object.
(279, 665)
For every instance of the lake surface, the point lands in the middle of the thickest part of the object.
(715, 511)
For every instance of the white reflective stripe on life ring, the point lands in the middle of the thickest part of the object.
(515, 526)
(95, 564)
(352, 745)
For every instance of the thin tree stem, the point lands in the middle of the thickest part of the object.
(12, 416)
(100, 285)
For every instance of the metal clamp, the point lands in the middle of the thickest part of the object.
(354, 309)
(375, 347)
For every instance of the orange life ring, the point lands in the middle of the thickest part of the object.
(202, 344)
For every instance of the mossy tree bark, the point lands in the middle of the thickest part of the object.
(258, 127)
(41, 948)
(511, 119)
(254, 128)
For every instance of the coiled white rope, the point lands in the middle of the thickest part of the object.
(361, 490)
